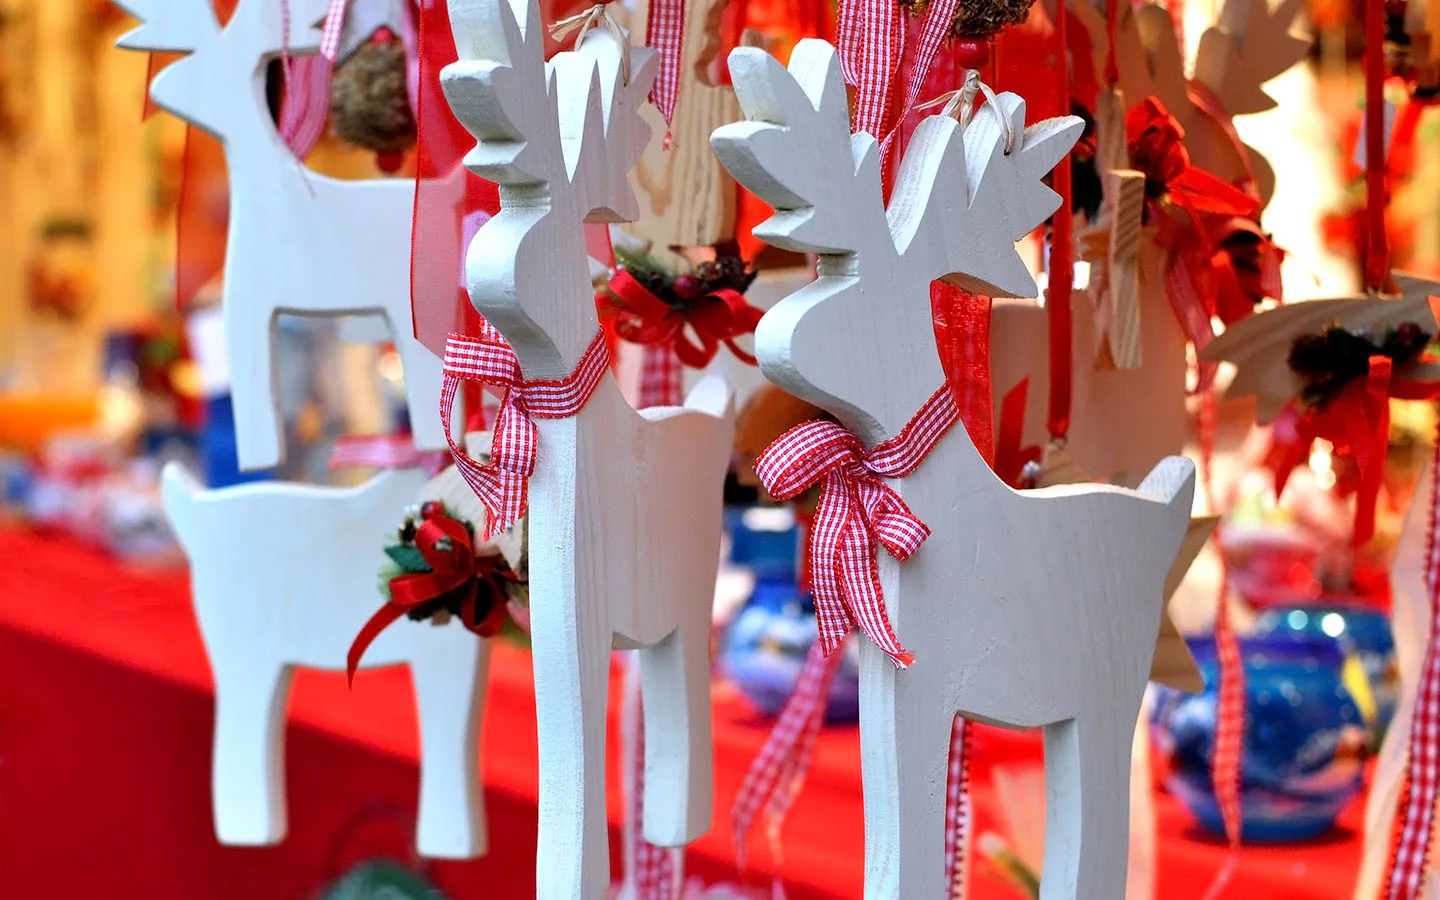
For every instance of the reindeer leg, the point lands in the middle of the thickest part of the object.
(904, 761)
(450, 685)
(675, 680)
(1087, 804)
(571, 648)
(251, 339)
(424, 374)
(248, 774)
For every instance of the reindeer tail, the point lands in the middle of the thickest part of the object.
(178, 487)
(1172, 482)
(713, 396)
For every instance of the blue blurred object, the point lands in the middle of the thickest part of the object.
(1305, 739)
(1360, 630)
(765, 645)
(217, 446)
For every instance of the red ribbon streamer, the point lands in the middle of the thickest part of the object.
(716, 318)
(445, 544)
(1376, 253)
(1410, 858)
(503, 483)
(1062, 264)
(857, 511)
(665, 31)
(872, 41)
(1010, 457)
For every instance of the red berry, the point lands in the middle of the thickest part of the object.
(687, 286)
(389, 163)
(972, 53)
(432, 509)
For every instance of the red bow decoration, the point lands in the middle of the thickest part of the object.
(446, 545)
(717, 317)
(1199, 215)
(857, 510)
(1357, 423)
(502, 484)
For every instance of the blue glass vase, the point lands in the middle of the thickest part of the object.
(765, 645)
(1305, 739)
(1361, 631)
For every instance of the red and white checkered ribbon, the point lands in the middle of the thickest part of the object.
(661, 377)
(665, 31)
(777, 775)
(939, 16)
(307, 83)
(1411, 857)
(384, 451)
(502, 483)
(656, 872)
(1229, 741)
(871, 42)
(857, 510)
(957, 808)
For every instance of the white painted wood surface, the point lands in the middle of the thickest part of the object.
(1023, 609)
(625, 507)
(284, 576)
(300, 242)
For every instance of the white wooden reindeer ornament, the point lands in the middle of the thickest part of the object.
(1022, 609)
(284, 576)
(624, 507)
(300, 242)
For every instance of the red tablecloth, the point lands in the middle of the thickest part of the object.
(105, 718)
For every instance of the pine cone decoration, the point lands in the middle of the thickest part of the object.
(370, 102)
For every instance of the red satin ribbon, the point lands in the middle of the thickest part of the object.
(1375, 252)
(1062, 264)
(716, 318)
(445, 544)
(1010, 457)
(1357, 421)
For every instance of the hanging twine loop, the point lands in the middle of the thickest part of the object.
(580, 25)
(959, 104)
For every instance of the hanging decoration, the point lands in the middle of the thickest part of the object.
(370, 100)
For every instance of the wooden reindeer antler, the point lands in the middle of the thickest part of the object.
(962, 199)
(562, 161)
(1259, 346)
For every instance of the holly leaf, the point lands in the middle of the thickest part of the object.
(408, 558)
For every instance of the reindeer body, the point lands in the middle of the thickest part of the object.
(299, 242)
(284, 576)
(1034, 609)
(624, 515)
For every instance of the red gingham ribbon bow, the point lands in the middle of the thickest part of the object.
(857, 510)
(502, 483)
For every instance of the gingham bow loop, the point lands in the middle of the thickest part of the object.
(502, 483)
(857, 510)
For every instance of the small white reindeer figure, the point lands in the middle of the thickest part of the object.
(1022, 609)
(284, 576)
(300, 242)
(624, 507)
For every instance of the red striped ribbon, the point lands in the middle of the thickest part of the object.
(307, 83)
(665, 31)
(1410, 859)
(1062, 263)
(384, 451)
(857, 512)
(872, 40)
(502, 484)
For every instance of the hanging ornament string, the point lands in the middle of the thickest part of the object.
(1410, 859)
(594, 17)
(1375, 253)
(1062, 263)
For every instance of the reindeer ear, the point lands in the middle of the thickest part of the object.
(167, 26)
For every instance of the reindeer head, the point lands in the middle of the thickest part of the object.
(559, 138)
(220, 84)
(859, 340)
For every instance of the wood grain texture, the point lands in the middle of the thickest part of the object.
(1259, 346)
(625, 507)
(300, 242)
(1120, 303)
(686, 198)
(1024, 609)
(1122, 421)
(284, 576)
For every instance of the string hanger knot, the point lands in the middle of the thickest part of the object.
(596, 16)
(959, 104)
